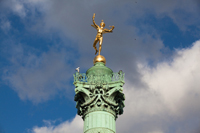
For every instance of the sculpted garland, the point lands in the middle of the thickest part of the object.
(99, 96)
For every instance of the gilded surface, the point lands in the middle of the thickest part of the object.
(100, 31)
(99, 58)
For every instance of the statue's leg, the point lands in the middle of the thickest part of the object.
(94, 45)
(100, 44)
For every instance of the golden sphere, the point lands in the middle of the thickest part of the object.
(99, 58)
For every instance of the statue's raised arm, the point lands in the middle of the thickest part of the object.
(95, 25)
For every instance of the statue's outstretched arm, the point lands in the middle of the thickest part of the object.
(112, 28)
(108, 31)
(95, 25)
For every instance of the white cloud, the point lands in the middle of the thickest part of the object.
(176, 80)
(38, 77)
(72, 16)
(74, 126)
(156, 132)
(170, 99)
(5, 25)
(19, 9)
(15, 6)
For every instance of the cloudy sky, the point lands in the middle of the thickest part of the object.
(155, 42)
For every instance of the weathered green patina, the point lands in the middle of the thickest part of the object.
(99, 97)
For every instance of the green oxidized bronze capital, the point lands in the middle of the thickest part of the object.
(99, 90)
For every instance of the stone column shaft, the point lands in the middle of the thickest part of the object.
(99, 121)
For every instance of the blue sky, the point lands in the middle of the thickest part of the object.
(156, 43)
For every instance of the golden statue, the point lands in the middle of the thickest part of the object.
(100, 32)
